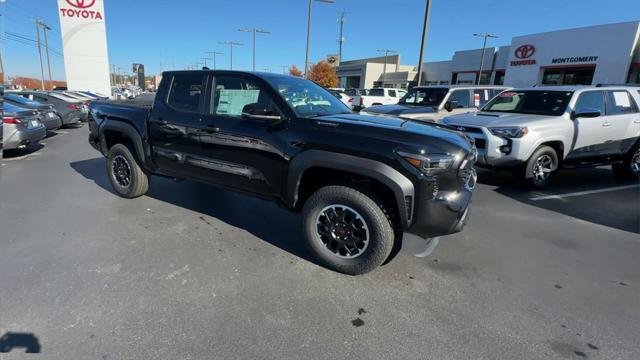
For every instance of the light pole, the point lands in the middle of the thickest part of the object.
(214, 53)
(306, 58)
(425, 28)
(484, 46)
(231, 45)
(341, 39)
(384, 70)
(254, 31)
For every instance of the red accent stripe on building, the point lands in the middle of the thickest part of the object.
(568, 66)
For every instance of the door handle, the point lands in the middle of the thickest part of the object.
(327, 123)
(606, 124)
(161, 121)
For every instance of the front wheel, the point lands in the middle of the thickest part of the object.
(630, 167)
(125, 175)
(347, 230)
(537, 171)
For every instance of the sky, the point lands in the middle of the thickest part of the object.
(169, 34)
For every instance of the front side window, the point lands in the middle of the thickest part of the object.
(306, 98)
(620, 102)
(536, 102)
(461, 97)
(186, 92)
(590, 101)
(424, 97)
(231, 94)
(392, 93)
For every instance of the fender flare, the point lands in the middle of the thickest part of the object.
(566, 148)
(402, 188)
(125, 129)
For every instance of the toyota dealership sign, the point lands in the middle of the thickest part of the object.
(84, 43)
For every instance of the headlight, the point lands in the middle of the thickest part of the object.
(429, 164)
(510, 132)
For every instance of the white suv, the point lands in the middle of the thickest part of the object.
(378, 96)
(537, 130)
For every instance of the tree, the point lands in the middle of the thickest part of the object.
(294, 71)
(324, 74)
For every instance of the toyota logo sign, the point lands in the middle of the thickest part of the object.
(525, 51)
(81, 4)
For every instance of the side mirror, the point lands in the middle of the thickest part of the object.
(259, 112)
(586, 113)
(450, 105)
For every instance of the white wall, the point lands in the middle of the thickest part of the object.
(84, 44)
(613, 44)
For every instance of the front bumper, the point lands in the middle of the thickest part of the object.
(492, 149)
(443, 215)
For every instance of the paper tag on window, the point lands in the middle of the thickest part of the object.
(621, 98)
(476, 99)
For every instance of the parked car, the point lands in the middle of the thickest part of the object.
(95, 95)
(20, 127)
(378, 96)
(353, 92)
(83, 95)
(46, 113)
(432, 103)
(70, 110)
(340, 95)
(536, 131)
(357, 180)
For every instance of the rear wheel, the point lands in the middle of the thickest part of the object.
(125, 175)
(537, 171)
(630, 166)
(347, 230)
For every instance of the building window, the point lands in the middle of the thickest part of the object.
(568, 76)
(499, 78)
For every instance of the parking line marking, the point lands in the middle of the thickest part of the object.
(580, 193)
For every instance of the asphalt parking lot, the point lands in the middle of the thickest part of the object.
(192, 272)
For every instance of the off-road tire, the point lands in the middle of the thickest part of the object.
(139, 180)
(627, 170)
(528, 172)
(380, 230)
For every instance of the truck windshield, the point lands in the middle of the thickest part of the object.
(424, 97)
(306, 98)
(538, 102)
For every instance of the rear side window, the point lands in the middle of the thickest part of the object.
(186, 93)
(376, 92)
(589, 101)
(620, 102)
(462, 97)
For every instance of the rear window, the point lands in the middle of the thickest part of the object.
(376, 92)
(186, 93)
(538, 102)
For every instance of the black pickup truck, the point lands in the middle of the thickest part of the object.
(364, 184)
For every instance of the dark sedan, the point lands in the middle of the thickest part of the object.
(47, 113)
(70, 110)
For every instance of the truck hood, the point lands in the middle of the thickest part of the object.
(400, 110)
(491, 119)
(431, 130)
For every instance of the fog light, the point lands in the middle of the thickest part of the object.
(505, 149)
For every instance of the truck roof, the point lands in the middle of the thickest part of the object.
(254, 73)
(573, 87)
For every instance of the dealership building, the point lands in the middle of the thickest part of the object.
(607, 54)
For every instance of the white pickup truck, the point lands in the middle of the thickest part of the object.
(536, 131)
(378, 96)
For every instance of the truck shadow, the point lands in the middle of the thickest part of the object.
(264, 219)
(619, 209)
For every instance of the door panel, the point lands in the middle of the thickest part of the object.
(624, 119)
(174, 126)
(593, 135)
(240, 153)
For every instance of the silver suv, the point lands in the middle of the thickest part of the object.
(432, 103)
(537, 130)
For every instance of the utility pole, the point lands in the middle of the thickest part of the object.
(205, 60)
(284, 69)
(341, 38)
(425, 28)
(231, 45)
(45, 28)
(384, 71)
(40, 54)
(484, 46)
(214, 53)
(254, 31)
(306, 58)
